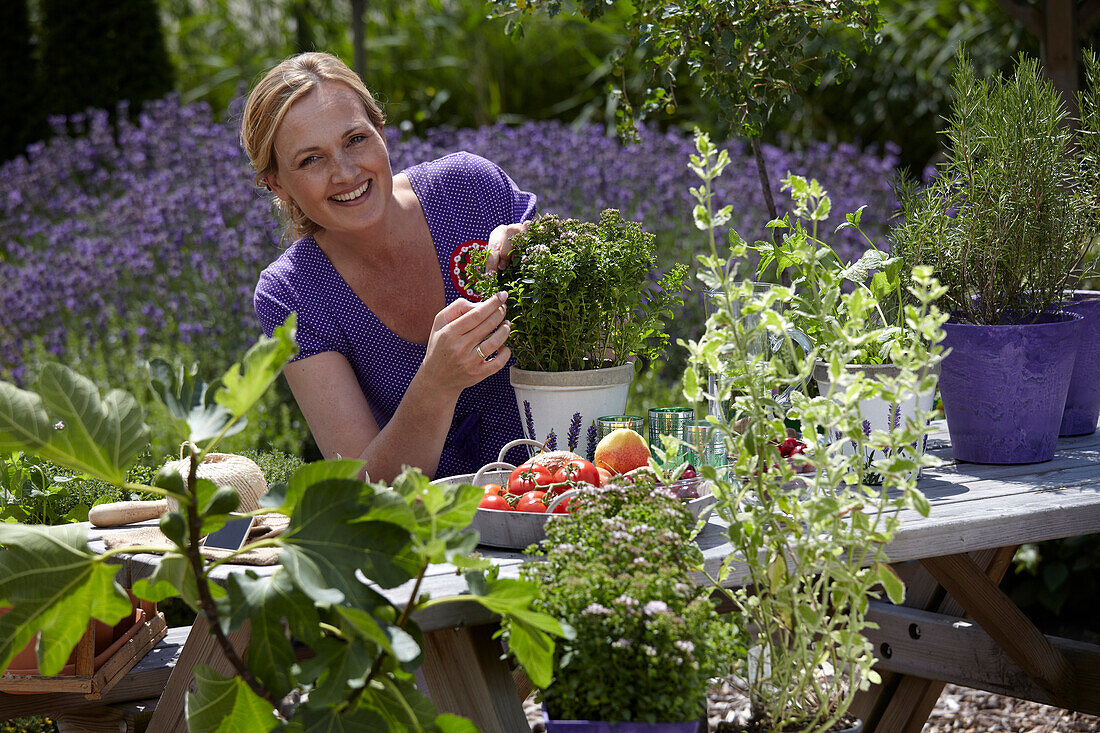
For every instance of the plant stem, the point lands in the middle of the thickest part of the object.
(202, 583)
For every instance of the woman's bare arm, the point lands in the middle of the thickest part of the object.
(329, 395)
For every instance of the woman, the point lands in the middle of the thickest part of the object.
(395, 367)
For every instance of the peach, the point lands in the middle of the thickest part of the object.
(621, 450)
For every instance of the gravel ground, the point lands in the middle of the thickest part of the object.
(959, 710)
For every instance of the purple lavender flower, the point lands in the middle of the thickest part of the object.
(574, 431)
(591, 452)
(867, 428)
(530, 420)
(552, 441)
(895, 416)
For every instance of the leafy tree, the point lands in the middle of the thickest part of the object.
(752, 58)
(22, 119)
(900, 88)
(98, 52)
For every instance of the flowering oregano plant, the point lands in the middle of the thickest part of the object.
(810, 532)
(646, 639)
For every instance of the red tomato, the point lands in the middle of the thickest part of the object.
(578, 469)
(563, 506)
(528, 477)
(493, 489)
(532, 501)
(604, 474)
(494, 501)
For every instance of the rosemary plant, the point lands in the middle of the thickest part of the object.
(1012, 211)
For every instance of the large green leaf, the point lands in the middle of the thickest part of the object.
(55, 586)
(448, 723)
(285, 497)
(191, 400)
(338, 668)
(325, 544)
(531, 632)
(24, 422)
(247, 381)
(93, 435)
(267, 602)
(403, 706)
(328, 720)
(226, 705)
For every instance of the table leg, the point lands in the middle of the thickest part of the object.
(1006, 624)
(466, 675)
(902, 703)
(200, 648)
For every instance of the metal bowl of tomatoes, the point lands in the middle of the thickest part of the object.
(520, 500)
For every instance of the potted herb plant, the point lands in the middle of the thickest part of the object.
(818, 279)
(812, 544)
(646, 638)
(584, 301)
(1005, 224)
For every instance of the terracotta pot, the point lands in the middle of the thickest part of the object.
(108, 640)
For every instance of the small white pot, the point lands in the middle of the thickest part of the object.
(568, 403)
(876, 413)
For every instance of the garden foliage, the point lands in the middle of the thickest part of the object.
(809, 547)
(1008, 220)
(646, 637)
(581, 288)
(347, 543)
(115, 249)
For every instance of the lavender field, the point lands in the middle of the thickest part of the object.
(117, 245)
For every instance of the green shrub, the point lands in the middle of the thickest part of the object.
(99, 52)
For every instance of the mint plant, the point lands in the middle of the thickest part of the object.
(583, 295)
(809, 533)
(818, 275)
(341, 530)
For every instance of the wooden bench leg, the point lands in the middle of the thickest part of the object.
(200, 648)
(96, 720)
(466, 675)
(902, 703)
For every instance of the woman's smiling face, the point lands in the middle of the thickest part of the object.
(332, 161)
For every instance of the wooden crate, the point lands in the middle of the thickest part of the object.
(92, 682)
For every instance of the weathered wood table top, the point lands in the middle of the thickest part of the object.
(974, 507)
(950, 560)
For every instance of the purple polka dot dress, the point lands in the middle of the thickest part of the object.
(464, 198)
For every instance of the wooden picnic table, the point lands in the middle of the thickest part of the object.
(955, 626)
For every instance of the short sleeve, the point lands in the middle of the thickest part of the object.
(517, 205)
(274, 300)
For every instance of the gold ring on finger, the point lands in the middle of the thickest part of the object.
(481, 353)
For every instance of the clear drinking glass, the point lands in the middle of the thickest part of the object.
(667, 421)
(606, 424)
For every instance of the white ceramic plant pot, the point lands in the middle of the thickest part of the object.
(568, 403)
(877, 414)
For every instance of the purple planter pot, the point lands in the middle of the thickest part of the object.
(599, 726)
(1004, 387)
(1083, 401)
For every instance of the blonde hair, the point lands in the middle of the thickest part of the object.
(267, 105)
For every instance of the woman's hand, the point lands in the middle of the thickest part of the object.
(467, 343)
(500, 246)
